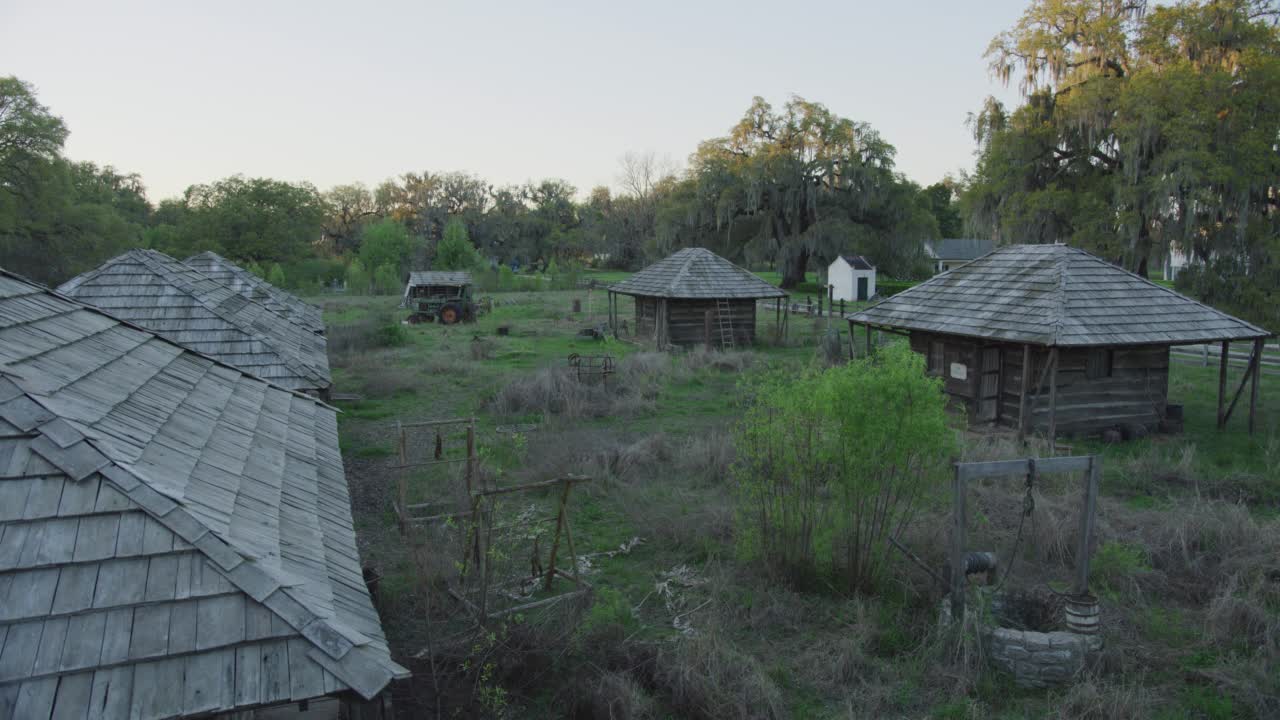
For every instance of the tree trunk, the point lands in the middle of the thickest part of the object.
(1142, 250)
(793, 269)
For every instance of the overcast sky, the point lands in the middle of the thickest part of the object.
(335, 92)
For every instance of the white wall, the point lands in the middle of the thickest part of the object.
(844, 280)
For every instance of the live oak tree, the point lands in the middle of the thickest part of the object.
(807, 183)
(1142, 126)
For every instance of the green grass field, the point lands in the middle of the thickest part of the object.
(680, 626)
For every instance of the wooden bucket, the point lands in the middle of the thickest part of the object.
(1081, 615)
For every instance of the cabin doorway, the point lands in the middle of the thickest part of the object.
(862, 289)
(989, 385)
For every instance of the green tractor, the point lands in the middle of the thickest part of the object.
(439, 295)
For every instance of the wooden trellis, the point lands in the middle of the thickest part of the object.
(408, 513)
(497, 548)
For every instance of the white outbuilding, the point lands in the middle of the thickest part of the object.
(852, 277)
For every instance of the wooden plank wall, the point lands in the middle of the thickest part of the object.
(1135, 393)
(646, 313)
(688, 321)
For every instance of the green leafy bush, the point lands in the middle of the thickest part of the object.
(386, 281)
(455, 251)
(358, 279)
(833, 461)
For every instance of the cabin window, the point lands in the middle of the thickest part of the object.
(1098, 364)
(935, 361)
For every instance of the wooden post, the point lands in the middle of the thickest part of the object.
(471, 453)
(1024, 422)
(555, 541)
(402, 480)
(1222, 383)
(841, 307)
(1053, 403)
(706, 329)
(1087, 518)
(957, 546)
(1259, 347)
(777, 319)
(870, 349)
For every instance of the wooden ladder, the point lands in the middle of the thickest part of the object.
(724, 315)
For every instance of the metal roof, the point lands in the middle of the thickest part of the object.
(165, 296)
(958, 248)
(175, 535)
(1054, 295)
(696, 274)
(255, 288)
(858, 262)
(439, 277)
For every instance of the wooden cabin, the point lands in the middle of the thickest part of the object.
(694, 297)
(1051, 339)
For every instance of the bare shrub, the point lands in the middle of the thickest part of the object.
(830, 348)
(1240, 615)
(708, 457)
(369, 332)
(1095, 699)
(615, 695)
(722, 360)
(557, 391)
(482, 349)
(706, 676)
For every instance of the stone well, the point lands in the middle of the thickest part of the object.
(1025, 635)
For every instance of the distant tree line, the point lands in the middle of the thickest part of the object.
(1141, 129)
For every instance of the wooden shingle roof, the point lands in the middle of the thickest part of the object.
(1054, 295)
(165, 296)
(255, 288)
(175, 535)
(696, 274)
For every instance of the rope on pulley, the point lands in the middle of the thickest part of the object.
(1028, 511)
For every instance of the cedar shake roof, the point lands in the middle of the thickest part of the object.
(255, 288)
(696, 274)
(958, 248)
(439, 277)
(175, 534)
(196, 311)
(1054, 295)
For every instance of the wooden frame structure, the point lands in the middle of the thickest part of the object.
(476, 582)
(1089, 465)
(404, 510)
(592, 367)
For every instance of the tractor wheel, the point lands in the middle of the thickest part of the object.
(450, 314)
(418, 318)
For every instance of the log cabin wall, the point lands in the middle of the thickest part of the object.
(687, 321)
(646, 316)
(1098, 388)
(1101, 388)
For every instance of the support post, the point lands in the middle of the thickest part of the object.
(555, 541)
(870, 350)
(1024, 411)
(402, 481)
(1087, 516)
(957, 545)
(471, 453)
(1053, 403)
(777, 320)
(1222, 383)
(1259, 346)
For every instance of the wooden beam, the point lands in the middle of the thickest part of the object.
(1020, 468)
(1259, 346)
(1254, 358)
(1024, 421)
(1053, 402)
(957, 546)
(1222, 383)
(1088, 511)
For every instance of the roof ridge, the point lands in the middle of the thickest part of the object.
(271, 291)
(1060, 299)
(80, 456)
(289, 358)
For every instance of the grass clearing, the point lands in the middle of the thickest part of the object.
(1188, 535)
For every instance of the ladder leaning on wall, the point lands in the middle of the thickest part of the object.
(724, 315)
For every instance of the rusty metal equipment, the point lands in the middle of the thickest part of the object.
(592, 368)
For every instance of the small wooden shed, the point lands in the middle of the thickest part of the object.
(852, 277)
(692, 297)
(1052, 339)
(176, 536)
